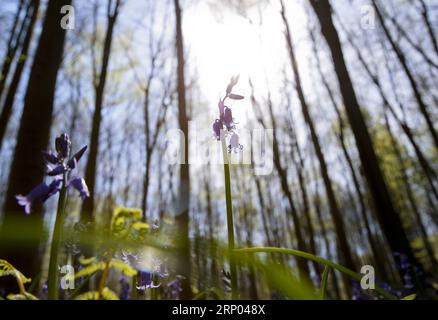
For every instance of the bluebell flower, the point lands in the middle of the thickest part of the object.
(225, 119)
(76, 157)
(38, 194)
(217, 126)
(50, 157)
(56, 171)
(126, 288)
(54, 187)
(228, 119)
(59, 169)
(234, 143)
(79, 184)
(174, 288)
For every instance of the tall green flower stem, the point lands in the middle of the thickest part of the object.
(305, 255)
(56, 242)
(230, 219)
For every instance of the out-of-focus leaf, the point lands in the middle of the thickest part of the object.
(410, 297)
(324, 280)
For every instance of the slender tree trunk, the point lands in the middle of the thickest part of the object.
(27, 169)
(6, 111)
(299, 165)
(411, 198)
(91, 167)
(303, 267)
(182, 218)
(403, 61)
(360, 196)
(145, 193)
(427, 168)
(388, 216)
(341, 234)
(324, 234)
(12, 46)
(429, 27)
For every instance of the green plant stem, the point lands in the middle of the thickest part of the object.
(230, 219)
(104, 276)
(305, 255)
(56, 243)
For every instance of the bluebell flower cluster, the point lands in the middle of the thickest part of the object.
(59, 166)
(225, 124)
(174, 288)
(125, 288)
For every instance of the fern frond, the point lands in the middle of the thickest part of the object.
(126, 269)
(7, 269)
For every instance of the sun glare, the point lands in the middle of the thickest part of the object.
(232, 45)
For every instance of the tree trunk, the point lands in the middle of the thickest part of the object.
(388, 216)
(6, 111)
(27, 169)
(12, 46)
(403, 61)
(345, 251)
(182, 218)
(411, 198)
(360, 196)
(429, 27)
(91, 167)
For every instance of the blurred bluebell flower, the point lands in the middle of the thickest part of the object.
(59, 169)
(217, 126)
(174, 288)
(79, 184)
(234, 143)
(125, 288)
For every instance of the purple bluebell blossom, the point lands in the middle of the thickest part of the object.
(58, 168)
(54, 187)
(234, 144)
(79, 184)
(50, 157)
(174, 288)
(56, 171)
(228, 119)
(217, 126)
(225, 119)
(38, 193)
(125, 288)
(76, 157)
